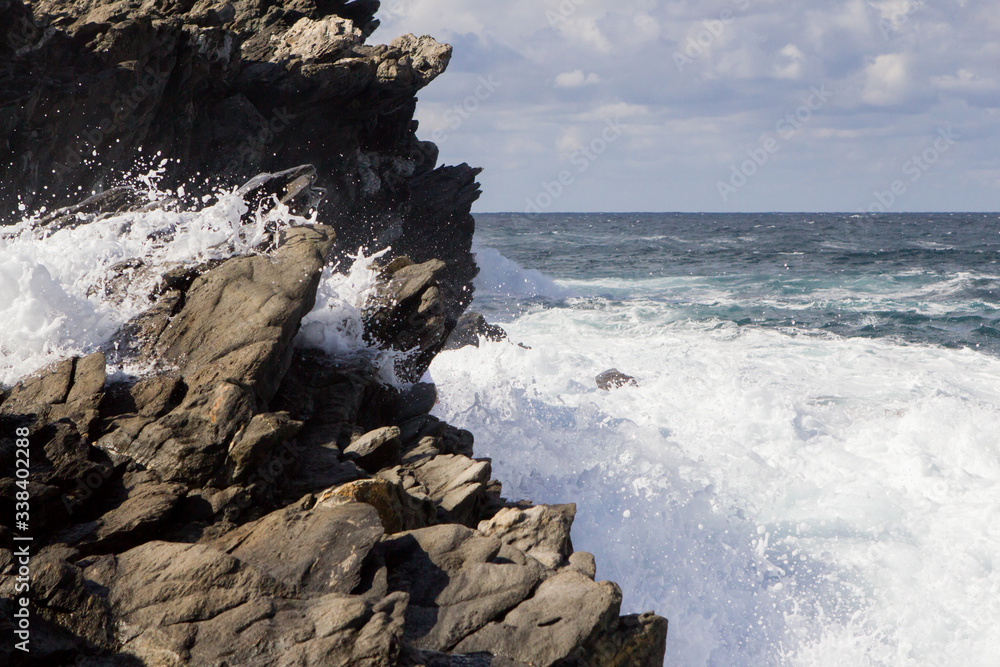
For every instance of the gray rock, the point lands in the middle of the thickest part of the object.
(192, 604)
(408, 314)
(152, 396)
(470, 328)
(253, 445)
(456, 483)
(61, 595)
(376, 449)
(541, 532)
(454, 582)
(636, 639)
(232, 342)
(238, 319)
(146, 509)
(67, 473)
(416, 507)
(47, 387)
(318, 550)
(583, 562)
(327, 40)
(68, 389)
(613, 379)
(566, 615)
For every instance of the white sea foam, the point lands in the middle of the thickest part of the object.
(930, 297)
(53, 286)
(336, 323)
(782, 499)
(500, 276)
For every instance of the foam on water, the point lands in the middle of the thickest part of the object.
(783, 496)
(501, 276)
(336, 323)
(58, 290)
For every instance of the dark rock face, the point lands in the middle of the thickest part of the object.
(247, 502)
(225, 90)
(470, 328)
(613, 379)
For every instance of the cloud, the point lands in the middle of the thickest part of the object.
(576, 78)
(790, 65)
(888, 80)
(965, 81)
(604, 59)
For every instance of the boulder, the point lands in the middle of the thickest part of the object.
(613, 379)
(456, 484)
(192, 604)
(541, 532)
(317, 550)
(455, 581)
(470, 329)
(408, 314)
(232, 344)
(557, 624)
(376, 449)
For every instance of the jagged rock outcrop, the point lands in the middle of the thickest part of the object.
(94, 90)
(470, 329)
(246, 501)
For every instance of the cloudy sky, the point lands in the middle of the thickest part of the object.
(716, 105)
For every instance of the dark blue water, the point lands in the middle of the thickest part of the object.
(918, 278)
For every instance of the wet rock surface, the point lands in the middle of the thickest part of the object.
(614, 379)
(247, 502)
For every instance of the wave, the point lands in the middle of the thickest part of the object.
(782, 499)
(68, 291)
(499, 276)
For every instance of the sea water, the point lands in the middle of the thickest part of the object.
(808, 470)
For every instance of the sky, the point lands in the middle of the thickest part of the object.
(717, 105)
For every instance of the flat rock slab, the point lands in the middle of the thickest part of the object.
(564, 616)
(191, 604)
(541, 532)
(376, 449)
(147, 507)
(319, 550)
(455, 582)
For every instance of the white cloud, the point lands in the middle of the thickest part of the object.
(936, 67)
(570, 140)
(965, 81)
(887, 80)
(576, 78)
(790, 65)
(607, 112)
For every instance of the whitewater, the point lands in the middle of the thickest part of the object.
(808, 470)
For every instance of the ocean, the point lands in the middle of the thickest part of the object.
(808, 470)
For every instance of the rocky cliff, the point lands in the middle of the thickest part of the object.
(246, 501)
